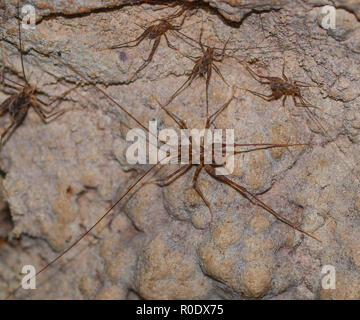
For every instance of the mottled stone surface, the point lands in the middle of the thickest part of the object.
(59, 178)
(234, 10)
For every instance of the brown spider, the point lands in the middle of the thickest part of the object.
(210, 168)
(153, 32)
(281, 87)
(204, 65)
(24, 97)
(285, 87)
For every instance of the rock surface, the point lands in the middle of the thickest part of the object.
(59, 178)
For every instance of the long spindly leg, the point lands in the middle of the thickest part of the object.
(200, 42)
(222, 54)
(311, 114)
(128, 44)
(21, 47)
(169, 43)
(251, 150)
(257, 76)
(58, 98)
(181, 24)
(289, 114)
(303, 84)
(197, 189)
(217, 70)
(177, 13)
(212, 118)
(307, 106)
(61, 97)
(173, 176)
(148, 60)
(142, 27)
(302, 103)
(190, 79)
(268, 145)
(185, 85)
(254, 199)
(172, 17)
(283, 70)
(14, 82)
(269, 97)
(5, 105)
(47, 116)
(264, 146)
(194, 59)
(185, 37)
(7, 133)
(9, 86)
(2, 68)
(180, 122)
(208, 77)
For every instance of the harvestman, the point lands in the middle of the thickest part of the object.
(204, 65)
(23, 97)
(154, 32)
(283, 88)
(210, 168)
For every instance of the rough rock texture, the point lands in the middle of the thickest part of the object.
(234, 10)
(59, 178)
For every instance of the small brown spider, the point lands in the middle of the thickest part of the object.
(153, 32)
(204, 65)
(281, 87)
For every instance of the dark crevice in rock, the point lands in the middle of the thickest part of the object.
(6, 223)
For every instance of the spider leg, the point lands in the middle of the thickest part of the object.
(181, 123)
(217, 70)
(197, 189)
(47, 116)
(185, 85)
(194, 59)
(222, 52)
(136, 42)
(283, 70)
(177, 14)
(303, 84)
(173, 176)
(255, 75)
(182, 21)
(13, 82)
(213, 117)
(169, 43)
(289, 114)
(4, 107)
(208, 77)
(9, 86)
(148, 60)
(311, 115)
(254, 199)
(62, 96)
(200, 43)
(303, 103)
(188, 40)
(142, 27)
(263, 96)
(2, 70)
(7, 133)
(265, 147)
